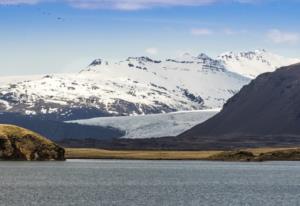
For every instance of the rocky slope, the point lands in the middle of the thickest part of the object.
(20, 144)
(265, 112)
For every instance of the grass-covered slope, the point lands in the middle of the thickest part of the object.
(17, 143)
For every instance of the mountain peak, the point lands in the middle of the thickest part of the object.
(203, 56)
(94, 65)
(143, 59)
(98, 62)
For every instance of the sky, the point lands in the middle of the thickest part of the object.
(54, 36)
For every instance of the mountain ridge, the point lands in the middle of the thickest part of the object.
(134, 86)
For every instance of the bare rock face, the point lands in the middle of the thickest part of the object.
(20, 144)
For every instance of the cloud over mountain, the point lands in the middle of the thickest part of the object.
(281, 37)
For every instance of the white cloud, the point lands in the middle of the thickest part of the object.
(201, 32)
(16, 2)
(152, 51)
(282, 37)
(126, 4)
(135, 4)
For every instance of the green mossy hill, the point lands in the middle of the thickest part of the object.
(17, 143)
(284, 155)
(233, 156)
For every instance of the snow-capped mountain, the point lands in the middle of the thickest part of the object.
(253, 63)
(137, 85)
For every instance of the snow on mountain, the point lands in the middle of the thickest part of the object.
(5, 80)
(155, 125)
(137, 85)
(253, 63)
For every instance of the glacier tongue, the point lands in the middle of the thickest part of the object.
(152, 126)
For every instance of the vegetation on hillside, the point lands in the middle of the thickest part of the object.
(17, 143)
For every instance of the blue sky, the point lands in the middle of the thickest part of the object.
(50, 36)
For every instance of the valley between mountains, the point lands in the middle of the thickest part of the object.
(135, 98)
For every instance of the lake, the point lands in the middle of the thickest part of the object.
(130, 183)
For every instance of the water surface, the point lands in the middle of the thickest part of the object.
(130, 183)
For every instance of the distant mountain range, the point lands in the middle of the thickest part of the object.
(137, 85)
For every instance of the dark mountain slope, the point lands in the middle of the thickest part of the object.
(59, 131)
(267, 112)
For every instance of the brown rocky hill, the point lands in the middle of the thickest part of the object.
(17, 143)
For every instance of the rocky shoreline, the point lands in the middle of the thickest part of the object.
(244, 155)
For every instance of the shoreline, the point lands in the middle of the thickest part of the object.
(86, 153)
(250, 154)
